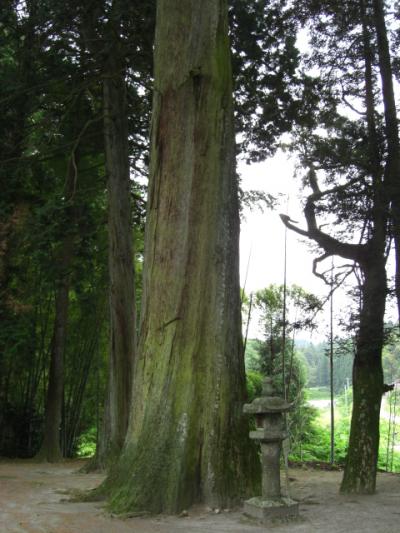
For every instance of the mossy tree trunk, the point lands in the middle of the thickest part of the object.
(187, 439)
(362, 458)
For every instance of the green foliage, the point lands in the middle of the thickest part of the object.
(302, 431)
(86, 443)
(51, 121)
(265, 357)
(389, 449)
(316, 357)
(265, 60)
(254, 384)
(316, 444)
(313, 443)
(318, 393)
(252, 355)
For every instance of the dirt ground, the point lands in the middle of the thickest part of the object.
(33, 499)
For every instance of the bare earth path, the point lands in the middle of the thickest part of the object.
(32, 499)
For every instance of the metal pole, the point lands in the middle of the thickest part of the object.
(284, 311)
(389, 397)
(245, 279)
(393, 427)
(331, 374)
(248, 324)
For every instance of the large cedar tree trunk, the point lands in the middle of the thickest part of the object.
(187, 439)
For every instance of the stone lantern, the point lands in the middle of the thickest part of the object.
(270, 431)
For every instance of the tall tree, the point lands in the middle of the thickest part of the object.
(120, 239)
(51, 446)
(109, 32)
(356, 176)
(392, 167)
(187, 440)
(302, 308)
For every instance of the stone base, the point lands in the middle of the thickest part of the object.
(273, 510)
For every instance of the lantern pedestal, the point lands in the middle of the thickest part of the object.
(267, 511)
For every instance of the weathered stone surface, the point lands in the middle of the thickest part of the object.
(267, 511)
(268, 404)
(270, 432)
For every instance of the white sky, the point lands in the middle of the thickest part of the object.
(263, 234)
(262, 240)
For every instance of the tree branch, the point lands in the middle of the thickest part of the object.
(331, 245)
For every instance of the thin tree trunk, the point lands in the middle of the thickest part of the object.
(50, 449)
(392, 166)
(84, 357)
(121, 267)
(187, 439)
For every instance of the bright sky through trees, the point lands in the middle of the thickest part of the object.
(263, 234)
(262, 240)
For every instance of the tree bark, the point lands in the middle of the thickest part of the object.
(121, 267)
(362, 458)
(361, 462)
(392, 164)
(187, 438)
(50, 449)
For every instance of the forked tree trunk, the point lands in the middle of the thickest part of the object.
(187, 439)
(361, 462)
(122, 347)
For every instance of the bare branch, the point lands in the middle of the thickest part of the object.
(339, 188)
(315, 264)
(289, 224)
(74, 148)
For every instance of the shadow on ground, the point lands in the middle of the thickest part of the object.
(33, 500)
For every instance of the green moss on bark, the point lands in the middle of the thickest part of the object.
(187, 438)
(361, 463)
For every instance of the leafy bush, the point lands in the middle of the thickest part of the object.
(254, 384)
(389, 457)
(87, 443)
